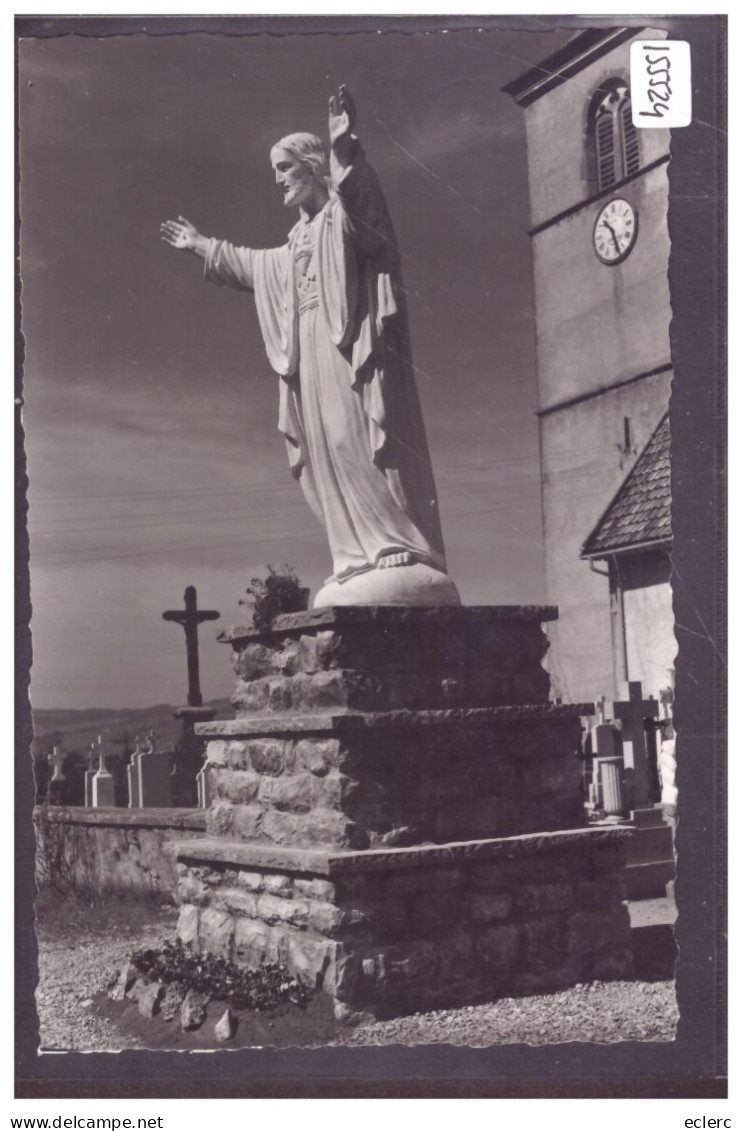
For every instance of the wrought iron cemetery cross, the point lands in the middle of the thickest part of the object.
(190, 618)
(632, 713)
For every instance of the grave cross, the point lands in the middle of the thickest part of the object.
(632, 714)
(56, 758)
(191, 618)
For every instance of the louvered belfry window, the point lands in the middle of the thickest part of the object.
(616, 140)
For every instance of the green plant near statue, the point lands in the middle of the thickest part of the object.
(280, 591)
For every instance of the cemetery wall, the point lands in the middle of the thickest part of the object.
(112, 850)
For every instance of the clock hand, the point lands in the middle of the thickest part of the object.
(613, 236)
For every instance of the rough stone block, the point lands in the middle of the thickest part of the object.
(219, 818)
(487, 906)
(294, 794)
(216, 753)
(237, 757)
(310, 959)
(246, 821)
(598, 894)
(251, 943)
(216, 932)
(192, 890)
(323, 826)
(592, 931)
(407, 963)
(148, 1002)
(545, 943)
(172, 1000)
(416, 880)
(127, 974)
(432, 913)
(193, 1010)
(341, 688)
(319, 652)
(280, 694)
(252, 661)
(250, 697)
(188, 925)
(273, 909)
(498, 947)
(314, 889)
(267, 755)
(489, 874)
(318, 755)
(286, 658)
(455, 955)
(252, 881)
(544, 897)
(281, 828)
(327, 919)
(236, 901)
(226, 1027)
(238, 786)
(276, 884)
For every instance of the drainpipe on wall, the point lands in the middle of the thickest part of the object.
(618, 627)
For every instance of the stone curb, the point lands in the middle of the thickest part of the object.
(387, 615)
(343, 720)
(331, 863)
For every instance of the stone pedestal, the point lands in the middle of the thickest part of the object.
(396, 813)
(188, 757)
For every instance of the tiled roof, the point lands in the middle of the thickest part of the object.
(639, 513)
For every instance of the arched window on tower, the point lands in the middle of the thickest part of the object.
(613, 142)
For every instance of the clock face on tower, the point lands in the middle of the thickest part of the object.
(615, 231)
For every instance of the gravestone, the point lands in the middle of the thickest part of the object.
(610, 774)
(605, 745)
(58, 782)
(132, 777)
(396, 814)
(632, 712)
(150, 777)
(94, 752)
(102, 785)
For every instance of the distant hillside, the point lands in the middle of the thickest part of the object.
(74, 731)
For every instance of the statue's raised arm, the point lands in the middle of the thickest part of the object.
(341, 123)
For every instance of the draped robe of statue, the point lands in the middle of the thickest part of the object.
(333, 319)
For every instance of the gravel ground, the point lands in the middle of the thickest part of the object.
(78, 951)
(75, 963)
(601, 1012)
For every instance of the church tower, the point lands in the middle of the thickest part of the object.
(600, 246)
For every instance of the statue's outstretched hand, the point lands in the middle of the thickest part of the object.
(342, 118)
(181, 233)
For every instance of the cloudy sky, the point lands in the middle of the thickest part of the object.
(150, 409)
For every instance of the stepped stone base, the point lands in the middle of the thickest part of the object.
(399, 930)
(396, 814)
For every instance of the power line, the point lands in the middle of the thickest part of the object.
(260, 487)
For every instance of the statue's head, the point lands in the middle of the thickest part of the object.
(300, 164)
